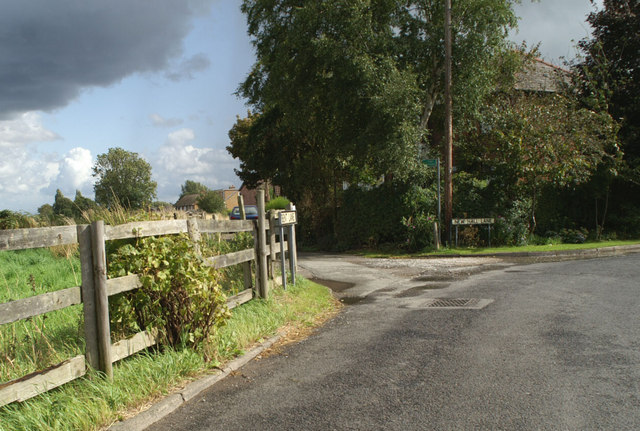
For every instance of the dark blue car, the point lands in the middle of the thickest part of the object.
(251, 212)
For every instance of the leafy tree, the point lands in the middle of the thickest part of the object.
(611, 69)
(479, 39)
(192, 187)
(46, 213)
(344, 90)
(82, 204)
(211, 202)
(610, 82)
(528, 141)
(62, 205)
(124, 177)
(333, 105)
(326, 80)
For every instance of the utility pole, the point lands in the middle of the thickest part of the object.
(448, 127)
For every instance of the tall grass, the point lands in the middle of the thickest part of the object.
(92, 402)
(39, 342)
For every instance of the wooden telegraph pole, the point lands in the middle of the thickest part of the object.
(448, 127)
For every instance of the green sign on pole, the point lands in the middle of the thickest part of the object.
(430, 162)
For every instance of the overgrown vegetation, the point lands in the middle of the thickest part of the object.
(179, 297)
(92, 402)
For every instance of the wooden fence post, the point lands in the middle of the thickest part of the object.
(92, 352)
(246, 267)
(102, 298)
(262, 247)
(194, 233)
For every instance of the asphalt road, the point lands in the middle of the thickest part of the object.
(558, 348)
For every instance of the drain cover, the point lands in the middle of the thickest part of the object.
(454, 303)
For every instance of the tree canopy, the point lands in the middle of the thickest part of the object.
(211, 202)
(611, 70)
(123, 177)
(192, 188)
(343, 90)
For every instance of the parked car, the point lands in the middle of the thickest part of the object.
(251, 211)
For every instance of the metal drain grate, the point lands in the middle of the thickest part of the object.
(453, 303)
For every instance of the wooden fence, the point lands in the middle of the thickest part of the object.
(95, 290)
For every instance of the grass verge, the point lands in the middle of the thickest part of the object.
(397, 253)
(93, 403)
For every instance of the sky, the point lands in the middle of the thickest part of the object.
(157, 78)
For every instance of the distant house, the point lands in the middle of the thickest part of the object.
(230, 197)
(249, 194)
(542, 77)
(187, 203)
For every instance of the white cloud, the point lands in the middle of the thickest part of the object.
(27, 176)
(24, 129)
(179, 160)
(159, 121)
(76, 169)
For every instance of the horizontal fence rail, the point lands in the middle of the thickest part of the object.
(20, 239)
(44, 380)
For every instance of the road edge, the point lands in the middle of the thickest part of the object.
(175, 400)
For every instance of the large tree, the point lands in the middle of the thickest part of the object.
(211, 201)
(610, 81)
(479, 40)
(327, 86)
(63, 206)
(525, 143)
(192, 188)
(611, 70)
(123, 177)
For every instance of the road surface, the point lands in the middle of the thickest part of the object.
(548, 346)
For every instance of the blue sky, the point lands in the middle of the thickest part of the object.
(156, 78)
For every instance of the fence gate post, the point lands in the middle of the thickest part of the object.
(102, 298)
(246, 266)
(92, 353)
(262, 247)
(194, 233)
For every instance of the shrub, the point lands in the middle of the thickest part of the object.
(279, 203)
(419, 231)
(179, 297)
(513, 227)
(574, 236)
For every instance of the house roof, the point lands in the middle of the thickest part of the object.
(187, 200)
(538, 75)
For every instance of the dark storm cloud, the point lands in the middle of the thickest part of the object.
(51, 50)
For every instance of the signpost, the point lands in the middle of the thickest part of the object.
(287, 219)
(472, 221)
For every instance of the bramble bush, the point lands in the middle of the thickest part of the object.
(179, 297)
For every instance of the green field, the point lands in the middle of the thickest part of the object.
(33, 344)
